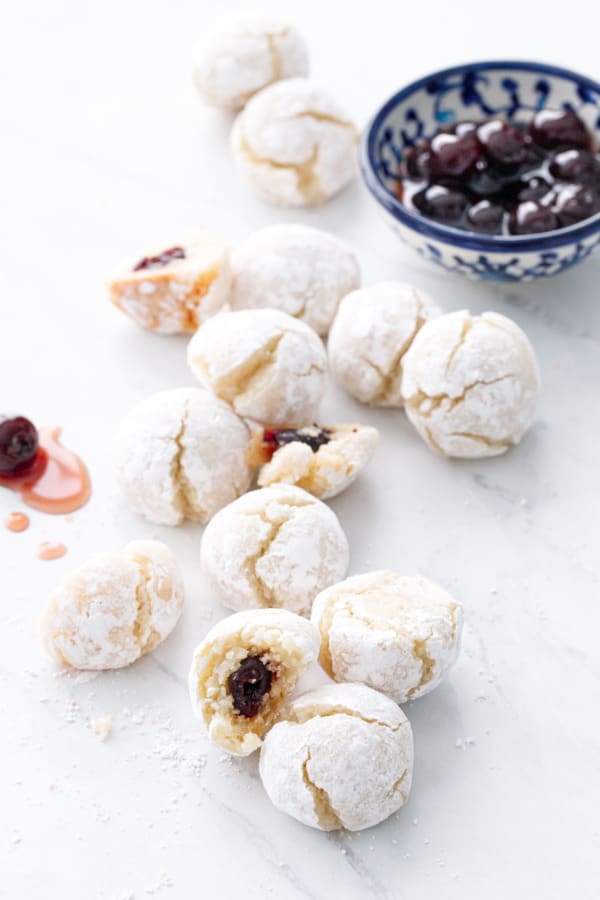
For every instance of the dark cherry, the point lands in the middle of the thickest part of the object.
(249, 684)
(19, 443)
(313, 435)
(162, 259)
(485, 217)
(530, 217)
(555, 128)
(504, 144)
(415, 163)
(576, 166)
(485, 181)
(441, 203)
(575, 203)
(534, 189)
(452, 156)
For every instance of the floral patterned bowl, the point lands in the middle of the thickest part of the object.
(514, 90)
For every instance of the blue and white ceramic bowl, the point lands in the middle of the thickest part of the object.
(514, 90)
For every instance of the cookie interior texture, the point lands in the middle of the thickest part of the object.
(284, 658)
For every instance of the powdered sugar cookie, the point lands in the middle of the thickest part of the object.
(173, 289)
(244, 670)
(340, 757)
(300, 270)
(244, 52)
(321, 460)
(277, 546)
(267, 365)
(182, 454)
(371, 333)
(114, 608)
(470, 384)
(399, 634)
(294, 144)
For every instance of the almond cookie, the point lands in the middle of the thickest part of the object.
(294, 144)
(244, 670)
(470, 384)
(323, 460)
(399, 634)
(267, 365)
(341, 756)
(114, 608)
(182, 454)
(371, 333)
(277, 546)
(174, 289)
(244, 52)
(300, 270)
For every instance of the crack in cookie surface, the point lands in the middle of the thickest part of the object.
(326, 815)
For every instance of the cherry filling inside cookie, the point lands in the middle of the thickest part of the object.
(249, 684)
(498, 177)
(19, 443)
(313, 435)
(160, 260)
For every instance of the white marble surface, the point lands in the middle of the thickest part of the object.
(106, 145)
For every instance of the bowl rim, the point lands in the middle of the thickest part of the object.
(455, 236)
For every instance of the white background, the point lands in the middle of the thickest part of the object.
(105, 146)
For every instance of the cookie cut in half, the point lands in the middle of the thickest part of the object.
(243, 672)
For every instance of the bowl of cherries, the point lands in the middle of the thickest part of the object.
(491, 169)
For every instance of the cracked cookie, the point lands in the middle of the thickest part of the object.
(266, 365)
(173, 289)
(182, 454)
(321, 460)
(399, 634)
(340, 756)
(470, 384)
(114, 608)
(294, 144)
(373, 329)
(275, 547)
(300, 270)
(243, 672)
(242, 53)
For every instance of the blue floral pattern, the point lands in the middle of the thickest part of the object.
(514, 91)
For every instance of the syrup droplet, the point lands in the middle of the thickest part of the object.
(17, 521)
(51, 550)
(58, 482)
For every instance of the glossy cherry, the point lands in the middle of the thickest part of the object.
(576, 166)
(19, 443)
(453, 156)
(575, 203)
(485, 217)
(504, 144)
(530, 217)
(444, 204)
(556, 128)
(249, 684)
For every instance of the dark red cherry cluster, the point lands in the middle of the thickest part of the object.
(313, 435)
(497, 177)
(249, 684)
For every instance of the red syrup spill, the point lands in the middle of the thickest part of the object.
(51, 550)
(17, 521)
(56, 482)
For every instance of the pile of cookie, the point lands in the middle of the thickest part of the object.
(276, 555)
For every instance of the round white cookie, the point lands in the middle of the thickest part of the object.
(399, 634)
(341, 757)
(267, 365)
(182, 454)
(114, 608)
(294, 144)
(244, 52)
(244, 670)
(372, 331)
(300, 270)
(470, 384)
(278, 546)
(173, 289)
(321, 460)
